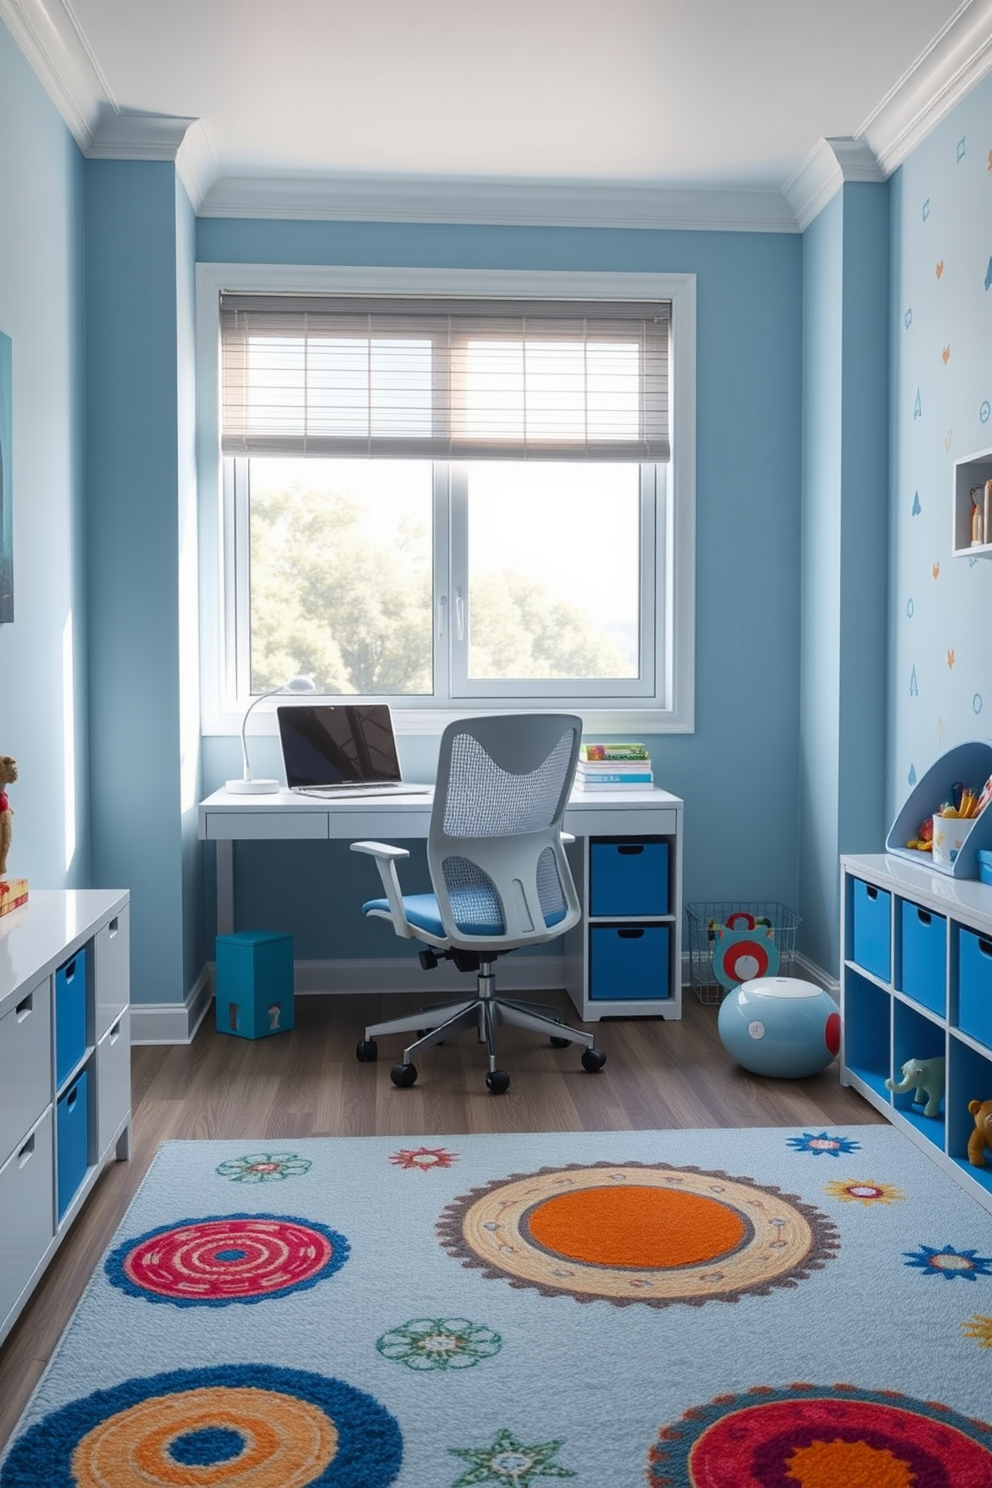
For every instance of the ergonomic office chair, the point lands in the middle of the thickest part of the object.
(499, 877)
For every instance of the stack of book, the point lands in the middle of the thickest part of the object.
(613, 767)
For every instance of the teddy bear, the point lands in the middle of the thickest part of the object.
(8, 774)
(925, 1078)
(981, 1137)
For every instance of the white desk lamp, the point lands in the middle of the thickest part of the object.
(248, 785)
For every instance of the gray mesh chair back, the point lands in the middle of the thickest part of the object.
(498, 867)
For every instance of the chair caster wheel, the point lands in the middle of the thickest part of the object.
(366, 1051)
(403, 1074)
(559, 1043)
(497, 1081)
(593, 1060)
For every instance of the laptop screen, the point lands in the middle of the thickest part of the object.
(324, 744)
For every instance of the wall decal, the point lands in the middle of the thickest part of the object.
(917, 406)
(939, 269)
(6, 472)
(914, 686)
(950, 661)
(961, 149)
(912, 775)
(910, 608)
(988, 274)
(926, 209)
(907, 319)
(948, 440)
(940, 730)
(984, 411)
(917, 508)
(976, 703)
(945, 355)
(935, 570)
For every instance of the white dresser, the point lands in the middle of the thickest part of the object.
(65, 1071)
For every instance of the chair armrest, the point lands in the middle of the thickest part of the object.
(386, 858)
(568, 836)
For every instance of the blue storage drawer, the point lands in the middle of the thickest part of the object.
(870, 931)
(72, 1125)
(628, 876)
(70, 1014)
(628, 963)
(975, 985)
(923, 956)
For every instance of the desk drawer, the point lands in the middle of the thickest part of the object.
(25, 1064)
(628, 963)
(628, 876)
(223, 826)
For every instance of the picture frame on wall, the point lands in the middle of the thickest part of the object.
(6, 506)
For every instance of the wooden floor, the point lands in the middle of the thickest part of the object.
(308, 1083)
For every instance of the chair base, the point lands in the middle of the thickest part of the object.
(484, 1012)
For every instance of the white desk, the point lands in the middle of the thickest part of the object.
(225, 819)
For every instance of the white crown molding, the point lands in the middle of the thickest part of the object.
(958, 58)
(505, 202)
(824, 171)
(48, 35)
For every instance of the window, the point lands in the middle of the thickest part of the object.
(452, 504)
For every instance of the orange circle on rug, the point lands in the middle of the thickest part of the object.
(637, 1233)
(636, 1226)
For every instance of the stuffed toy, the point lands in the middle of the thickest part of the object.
(925, 1078)
(8, 774)
(981, 1137)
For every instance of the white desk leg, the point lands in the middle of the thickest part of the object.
(225, 887)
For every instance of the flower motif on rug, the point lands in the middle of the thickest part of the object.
(862, 1191)
(807, 1435)
(978, 1330)
(439, 1343)
(229, 1427)
(637, 1233)
(509, 1463)
(221, 1259)
(949, 1263)
(264, 1167)
(822, 1144)
(423, 1158)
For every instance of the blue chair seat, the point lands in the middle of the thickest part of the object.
(421, 910)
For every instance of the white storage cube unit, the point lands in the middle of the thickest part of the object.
(45, 945)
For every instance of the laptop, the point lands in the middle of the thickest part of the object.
(341, 750)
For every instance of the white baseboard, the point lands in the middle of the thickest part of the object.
(177, 1023)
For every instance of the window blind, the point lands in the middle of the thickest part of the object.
(430, 379)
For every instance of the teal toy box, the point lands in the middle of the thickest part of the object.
(254, 984)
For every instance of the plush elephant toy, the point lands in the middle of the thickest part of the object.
(925, 1078)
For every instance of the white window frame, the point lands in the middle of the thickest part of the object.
(670, 708)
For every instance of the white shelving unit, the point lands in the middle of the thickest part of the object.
(624, 958)
(970, 473)
(65, 1071)
(916, 983)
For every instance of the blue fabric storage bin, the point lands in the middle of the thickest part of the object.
(70, 1014)
(628, 962)
(254, 984)
(975, 985)
(72, 1126)
(923, 941)
(870, 937)
(628, 876)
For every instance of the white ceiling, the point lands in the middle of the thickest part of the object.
(312, 106)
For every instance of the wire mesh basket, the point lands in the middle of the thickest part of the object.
(703, 921)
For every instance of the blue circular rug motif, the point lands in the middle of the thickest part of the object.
(235, 1426)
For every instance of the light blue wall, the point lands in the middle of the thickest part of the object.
(139, 445)
(740, 768)
(43, 695)
(940, 680)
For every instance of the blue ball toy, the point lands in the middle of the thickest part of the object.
(780, 1026)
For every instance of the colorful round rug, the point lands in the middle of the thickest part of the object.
(638, 1232)
(226, 1258)
(811, 1436)
(237, 1426)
